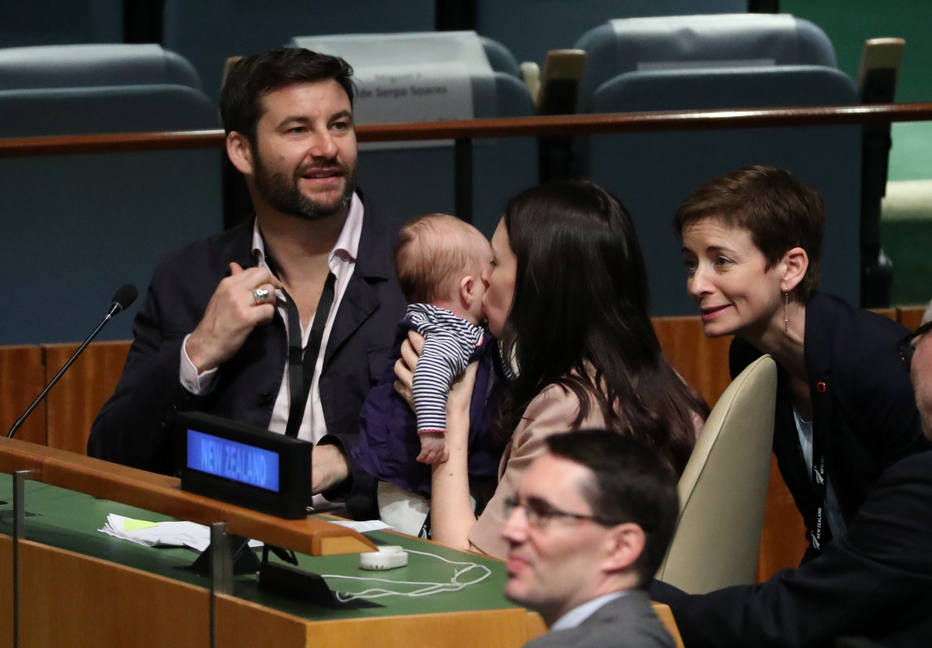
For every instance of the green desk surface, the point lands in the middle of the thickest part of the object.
(70, 520)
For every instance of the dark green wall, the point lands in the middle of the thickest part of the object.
(849, 23)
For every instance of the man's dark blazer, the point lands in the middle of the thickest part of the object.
(874, 582)
(132, 427)
(628, 621)
(864, 410)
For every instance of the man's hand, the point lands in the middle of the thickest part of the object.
(328, 467)
(231, 314)
(433, 448)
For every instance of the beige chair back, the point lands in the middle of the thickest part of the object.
(724, 488)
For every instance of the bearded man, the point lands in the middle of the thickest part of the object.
(285, 321)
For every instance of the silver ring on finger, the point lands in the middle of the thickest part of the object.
(259, 295)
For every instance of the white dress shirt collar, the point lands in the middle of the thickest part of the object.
(346, 247)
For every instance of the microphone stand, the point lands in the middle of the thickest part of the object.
(124, 296)
(115, 308)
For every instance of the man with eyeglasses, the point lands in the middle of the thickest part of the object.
(873, 583)
(588, 527)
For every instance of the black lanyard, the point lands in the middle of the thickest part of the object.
(301, 362)
(821, 532)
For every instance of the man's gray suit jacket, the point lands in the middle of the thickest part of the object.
(627, 622)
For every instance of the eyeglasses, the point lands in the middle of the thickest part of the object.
(539, 513)
(907, 346)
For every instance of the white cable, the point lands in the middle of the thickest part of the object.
(424, 588)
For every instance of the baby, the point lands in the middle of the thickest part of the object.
(440, 261)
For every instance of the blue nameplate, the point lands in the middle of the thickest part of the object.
(243, 464)
(237, 461)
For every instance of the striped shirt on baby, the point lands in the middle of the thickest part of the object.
(450, 342)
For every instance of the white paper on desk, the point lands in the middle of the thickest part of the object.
(161, 534)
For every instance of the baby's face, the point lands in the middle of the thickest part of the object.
(480, 273)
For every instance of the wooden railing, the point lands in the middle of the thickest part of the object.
(501, 127)
(464, 132)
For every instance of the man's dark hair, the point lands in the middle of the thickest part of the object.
(779, 212)
(630, 483)
(252, 77)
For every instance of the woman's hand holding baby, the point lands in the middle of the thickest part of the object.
(404, 366)
(458, 406)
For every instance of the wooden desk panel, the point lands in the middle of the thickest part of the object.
(22, 377)
(910, 316)
(68, 599)
(74, 402)
(783, 535)
(493, 628)
(700, 360)
(244, 624)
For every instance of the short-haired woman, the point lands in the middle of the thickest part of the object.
(845, 407)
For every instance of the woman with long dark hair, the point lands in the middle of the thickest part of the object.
(567, 297)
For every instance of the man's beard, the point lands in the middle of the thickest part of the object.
(287, 198)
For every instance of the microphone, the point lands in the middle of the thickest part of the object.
(122, 299)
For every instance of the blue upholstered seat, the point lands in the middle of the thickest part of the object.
(79, 225)
(690, 42)
(207, 32)
(529, 28)
(107, 88)
(41, 22)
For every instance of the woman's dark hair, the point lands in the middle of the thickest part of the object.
(580, 319)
